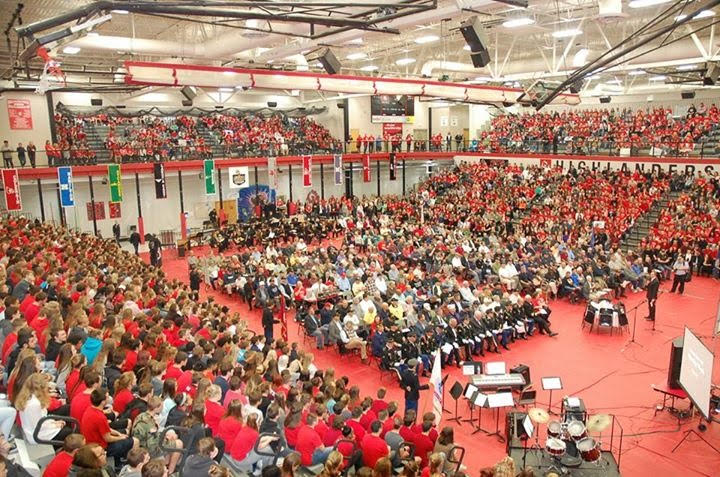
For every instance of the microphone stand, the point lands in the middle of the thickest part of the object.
(635, 310)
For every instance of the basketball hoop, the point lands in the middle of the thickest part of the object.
(51, 68)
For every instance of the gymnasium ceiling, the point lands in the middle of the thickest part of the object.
(429, 41)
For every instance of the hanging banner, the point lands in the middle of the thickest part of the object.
(210, 186)
(307, 171)
(11, 183)
(115, 180)
(391, 129)
(67, 194)
(366, 168)
(393, 166)
(160, 187)
(239, 177)
(338, 169)
(115, 211)
(272, 173)
(99, 211)
(19, 114)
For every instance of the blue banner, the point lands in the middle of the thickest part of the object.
(250, 197)
(67, 195)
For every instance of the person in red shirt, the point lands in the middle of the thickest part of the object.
(424, 444)
(123, 391)
(309, 445)
(242, 457)
(406, 430)
(175, 370)
(96, 428)
(379, 404)
(357, 428)
(213, 409)
(61, 463)
(231, 422)
(80, 401)
(373, 446)
(368, 414)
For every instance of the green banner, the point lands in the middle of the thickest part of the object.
(209, 177)
(115, 180)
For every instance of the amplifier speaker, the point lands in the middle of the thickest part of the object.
(474, 34)
(187, 102)
(96, 101)
(675, 363)
(711, 74)
(514, 430)
(524, 370)
(272, 104)
(327, 59)
(687, 94)
(604, 99)
(188, 92)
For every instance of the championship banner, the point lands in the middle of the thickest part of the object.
(67, 194)
(115, 180)
(13, 201)
(19, 114)
(272, 173)
(239, 177)
(307, 171)
(366, 168)
(393, 166)
(160, 187)
(338, 169)
(209, 166)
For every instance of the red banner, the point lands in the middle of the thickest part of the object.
(366, 168)
(115, 210)
(283, 320)
(391, 129)
(307, 171)
(19, 114)
(99, 210)
(11, 183)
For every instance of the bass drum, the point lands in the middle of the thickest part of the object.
(589, 449)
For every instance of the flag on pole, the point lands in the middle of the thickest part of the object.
(437, 387)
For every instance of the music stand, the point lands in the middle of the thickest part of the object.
(527, 431)
(455, 392)
(470, 391)
(496, 401)
(551, 383)
(480, 400)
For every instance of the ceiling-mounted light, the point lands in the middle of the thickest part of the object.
(646, 3)
(369, 68)
(356, 56)
(518, 22)
(657, 78)
(121, 12)
(614, 81)
(685, 67)
(701, 14)
(226, 90)
(466, 47)
(580, 57)
(405, 61)
(355, 41)
(567, 33)
(426, 39)
(636, 73)
(229, 73)
(71, 50)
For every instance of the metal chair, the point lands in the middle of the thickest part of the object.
(43, 451)
(456, 456)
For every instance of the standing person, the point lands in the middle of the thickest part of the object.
(116, 232)
(268, 320)
(411, 385)
(195, 280)
(681, 269)
(7, 155)
(21, 154)
(135, 240)
(31, 150)
(50, 152)
(652, 294)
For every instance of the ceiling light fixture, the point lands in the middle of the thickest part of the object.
(657, 78)
(426, 39)
(226, 90)
(71, 50)
(636, 73)
(121, 12)
(580, 57)
(369, 68)
(567, 33)
(518, 22)
(646, 3)
(405, 61)
(356, 56)
(685, 67)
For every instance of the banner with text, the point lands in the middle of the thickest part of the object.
(19, 114)
(209, 168)
(338, 169)
(307, 171)
(239, 177)
(67, 194)
(115, 181)
(393, 166)
(11, 183)
(391, 129)
(160, 185)
(367, 176)
(272, 173)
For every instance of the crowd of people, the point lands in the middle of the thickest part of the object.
(155, 138)
(604, 130)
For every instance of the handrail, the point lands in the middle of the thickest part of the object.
(50, 417)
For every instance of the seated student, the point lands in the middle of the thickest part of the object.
(96, 428)
(91, 456)
(136, 460)
(309, 445)
(198, 464)
(373, 446)
(231, 422)
(213, 409)
(146, 430)
(61, 463)
(32, 403)
(243, 457)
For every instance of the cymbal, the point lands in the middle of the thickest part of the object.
(539, 416)
(598, 422)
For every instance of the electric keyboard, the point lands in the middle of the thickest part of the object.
(490, 381)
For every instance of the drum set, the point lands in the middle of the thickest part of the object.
(568, 443)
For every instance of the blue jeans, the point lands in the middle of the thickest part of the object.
(409, 404)
(321, 455)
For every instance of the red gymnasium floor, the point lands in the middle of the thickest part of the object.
(609, 374)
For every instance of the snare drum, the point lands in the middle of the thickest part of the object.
(555, 447)
(576, 430)
(555, 429)
(589, 449)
